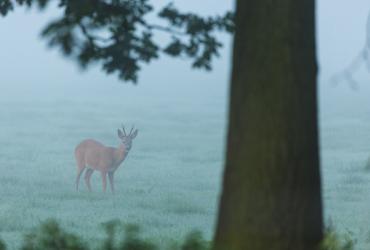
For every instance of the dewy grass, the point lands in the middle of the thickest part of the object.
(156, 186)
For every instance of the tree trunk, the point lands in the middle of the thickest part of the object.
(271, 196)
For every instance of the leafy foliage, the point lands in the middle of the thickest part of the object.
(367, 164)
(334, 241)
(130, 241)
(50, 236)
(195, 241)
(2, 246)
(116, 33)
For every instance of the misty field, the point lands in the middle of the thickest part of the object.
(170, 182)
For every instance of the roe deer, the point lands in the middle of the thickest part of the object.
(93, 155)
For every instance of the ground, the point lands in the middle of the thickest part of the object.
(170, 182)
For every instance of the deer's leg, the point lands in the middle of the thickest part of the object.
(88, 174)
(80, 162)
(111, 180)
(104, 178)
(79, 172)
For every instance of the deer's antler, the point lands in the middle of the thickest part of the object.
(131, 130)
(123, 127)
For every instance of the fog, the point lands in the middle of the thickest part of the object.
(171, 180)
(341, 34)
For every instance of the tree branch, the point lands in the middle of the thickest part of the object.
(164, 29)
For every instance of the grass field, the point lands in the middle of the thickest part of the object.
(170, 182)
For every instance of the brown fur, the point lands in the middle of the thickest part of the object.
(94, 155)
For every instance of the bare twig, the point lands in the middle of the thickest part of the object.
(362, 58)
(348, 73)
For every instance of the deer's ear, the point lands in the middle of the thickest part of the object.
(134, 134)
(119, 133)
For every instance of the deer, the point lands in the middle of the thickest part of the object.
(93, 155)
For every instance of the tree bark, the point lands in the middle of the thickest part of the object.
(271, 198)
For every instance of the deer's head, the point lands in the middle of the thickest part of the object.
(127, 139)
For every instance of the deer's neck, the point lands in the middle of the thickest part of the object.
(121, 153)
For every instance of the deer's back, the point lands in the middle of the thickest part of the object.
(94, 154)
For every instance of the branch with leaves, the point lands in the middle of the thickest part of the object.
(117, 34)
